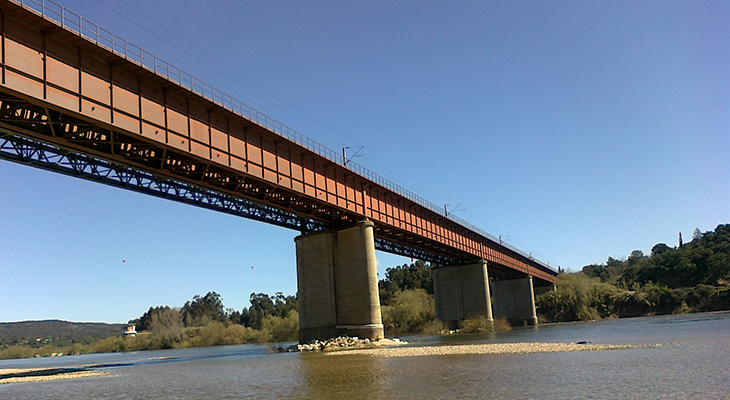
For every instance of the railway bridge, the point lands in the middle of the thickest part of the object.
(79, 100)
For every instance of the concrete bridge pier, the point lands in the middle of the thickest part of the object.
(514, 299)
(461, 292)
(337, 279)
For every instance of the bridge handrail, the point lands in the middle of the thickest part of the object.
(73, 22)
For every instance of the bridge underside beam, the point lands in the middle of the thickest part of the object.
(40, 154)
(404, 250)
(117, 153)
(185, 178)
(46, 125)
(31, 152)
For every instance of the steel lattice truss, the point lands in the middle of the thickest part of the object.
(32, 152)
(412, 252)
(43, 155)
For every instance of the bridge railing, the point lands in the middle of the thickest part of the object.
(73, 22)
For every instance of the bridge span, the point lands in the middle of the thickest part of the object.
(79, 100)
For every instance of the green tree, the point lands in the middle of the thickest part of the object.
(418, 275)
(636, 256)
(166, 328)
(280, 329)
(263, 305)
(203, 310)
(233, 315)
(144, 322)
(659, 248)
(697, 234)
(410, 311)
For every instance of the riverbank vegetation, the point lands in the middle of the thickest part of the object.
(407, 308)
(203, 321)
(406, 300)
(691, 277)
(407, 304)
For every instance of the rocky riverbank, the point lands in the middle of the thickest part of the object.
(341, 343)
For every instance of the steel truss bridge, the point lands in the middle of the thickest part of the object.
(78, 100)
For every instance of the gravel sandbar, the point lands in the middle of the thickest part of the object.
(10, 375)
(493, 348)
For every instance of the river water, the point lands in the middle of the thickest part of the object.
(693, 362)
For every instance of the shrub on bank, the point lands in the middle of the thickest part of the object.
(578, 297)
(27, 351)
(208, 335)
(278, 329)
(19, 351)
(112, 344)
(77, 348)
(575, 298)
(478, 323)
(410, 311)
(239, 334)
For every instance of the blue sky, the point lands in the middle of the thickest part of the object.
(576, 130)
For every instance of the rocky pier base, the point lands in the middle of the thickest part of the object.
(341, 343)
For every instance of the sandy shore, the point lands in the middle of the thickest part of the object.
(496, 348)
(15, 375)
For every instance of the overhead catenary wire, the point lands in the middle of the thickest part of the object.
(286, 107)
(282, 105)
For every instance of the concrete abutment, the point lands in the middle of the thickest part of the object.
(337, 279)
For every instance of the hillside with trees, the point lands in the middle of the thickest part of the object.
(691, 277)
(60, 333)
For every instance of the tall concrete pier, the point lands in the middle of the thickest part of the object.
(514, 299)
(338, 284)
(462, 292)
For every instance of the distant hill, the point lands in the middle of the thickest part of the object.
(55, 331)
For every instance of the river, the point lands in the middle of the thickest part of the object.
(693, 362)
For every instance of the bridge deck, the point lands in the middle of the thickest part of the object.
(81, 88)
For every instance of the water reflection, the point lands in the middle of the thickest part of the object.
(351, 376)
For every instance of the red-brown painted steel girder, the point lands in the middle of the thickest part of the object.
(82, 88)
